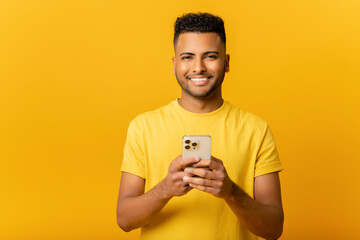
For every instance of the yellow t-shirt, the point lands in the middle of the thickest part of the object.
(241, 140)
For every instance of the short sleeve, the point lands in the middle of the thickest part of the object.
(133, 160)
(267, 158)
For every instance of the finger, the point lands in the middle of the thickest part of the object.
(215, 159)
(216, 164)
(174, 165)
(202, 163)
(178, 176)
(199, 181)
(210, 163)
(184, 162)
(201, 172)
(186, 187)
(204, 188)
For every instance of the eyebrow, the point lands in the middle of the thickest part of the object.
(186, 53)
(205, 53)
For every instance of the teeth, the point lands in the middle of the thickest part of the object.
(198, 79)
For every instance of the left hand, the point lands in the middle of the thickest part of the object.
(209, 175)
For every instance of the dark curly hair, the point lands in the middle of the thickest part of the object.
(199, 22)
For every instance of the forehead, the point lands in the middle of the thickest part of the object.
(199, 42)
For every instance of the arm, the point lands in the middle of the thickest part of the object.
(136, 208)
(262, 216)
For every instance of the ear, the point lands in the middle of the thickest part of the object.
(227, 61)
(174, 63)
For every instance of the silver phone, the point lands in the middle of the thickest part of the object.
(196, 145)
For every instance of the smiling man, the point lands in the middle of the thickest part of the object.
(233, 195)
(208, 54)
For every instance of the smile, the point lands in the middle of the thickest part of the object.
(198, 79)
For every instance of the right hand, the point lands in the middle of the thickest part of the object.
(173, 183)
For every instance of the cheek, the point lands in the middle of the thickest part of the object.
(182, 68)
(217, 66)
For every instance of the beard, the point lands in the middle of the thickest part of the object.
(202, 94)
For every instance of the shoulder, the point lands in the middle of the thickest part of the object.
(152, 116)
(247, 119)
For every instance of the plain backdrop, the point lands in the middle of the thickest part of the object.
(73, 74)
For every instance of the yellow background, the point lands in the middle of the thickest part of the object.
(74, 73)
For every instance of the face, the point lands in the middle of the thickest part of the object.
(200, 64)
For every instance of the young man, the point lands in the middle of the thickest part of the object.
(233, 195)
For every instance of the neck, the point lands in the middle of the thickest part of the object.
(201, 104)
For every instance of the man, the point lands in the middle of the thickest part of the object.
(233, 195)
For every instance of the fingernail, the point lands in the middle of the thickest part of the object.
(197, 158)
(185, 178)
(186, 170)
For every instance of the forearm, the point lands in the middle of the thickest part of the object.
(265, 221)
(136, 211)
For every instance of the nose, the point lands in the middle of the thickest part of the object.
(199, 66)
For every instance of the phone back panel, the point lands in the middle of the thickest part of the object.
(196, 145)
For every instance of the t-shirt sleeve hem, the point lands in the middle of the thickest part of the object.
(274, 167)
(133, 171)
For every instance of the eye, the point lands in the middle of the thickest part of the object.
(212, 56)
(186, 57)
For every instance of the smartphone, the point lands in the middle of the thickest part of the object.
(196, 145)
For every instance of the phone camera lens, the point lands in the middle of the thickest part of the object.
(187, 147)
(187, 141)
(194, 144)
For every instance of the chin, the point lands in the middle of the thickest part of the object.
(200, 94)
